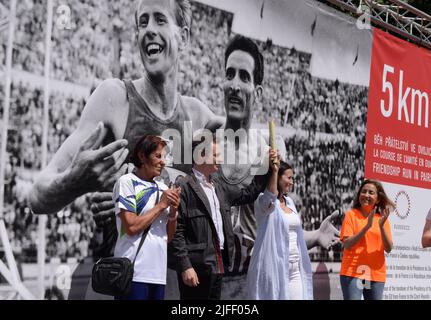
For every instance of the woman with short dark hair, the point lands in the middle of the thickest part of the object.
(141, 203)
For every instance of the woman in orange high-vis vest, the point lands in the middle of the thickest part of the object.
(366, 236)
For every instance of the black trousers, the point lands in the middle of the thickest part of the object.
(209, 287)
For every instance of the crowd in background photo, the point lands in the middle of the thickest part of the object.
(326, 119)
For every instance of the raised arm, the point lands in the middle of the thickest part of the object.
(82, 164)
(267, 199)
(237, 196)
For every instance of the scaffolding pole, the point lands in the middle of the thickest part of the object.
(41, 252)
(6, 104)
(398, 17)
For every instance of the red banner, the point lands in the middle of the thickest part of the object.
(398, 140)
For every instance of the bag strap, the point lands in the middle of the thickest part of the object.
(144, 234)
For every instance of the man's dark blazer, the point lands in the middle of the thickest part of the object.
(196, 243)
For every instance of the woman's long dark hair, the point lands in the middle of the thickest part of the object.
(283, 167)
(383, 200)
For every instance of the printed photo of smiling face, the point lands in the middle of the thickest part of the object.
(243, 79)
(159, 36)
(239, 88)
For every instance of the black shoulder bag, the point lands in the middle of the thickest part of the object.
(113, 275)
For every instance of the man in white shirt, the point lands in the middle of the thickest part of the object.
(202, 247)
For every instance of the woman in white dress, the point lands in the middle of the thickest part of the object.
(280, 267)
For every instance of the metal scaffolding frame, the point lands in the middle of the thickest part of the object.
(397, 17)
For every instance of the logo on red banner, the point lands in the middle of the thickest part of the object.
(402, 204)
